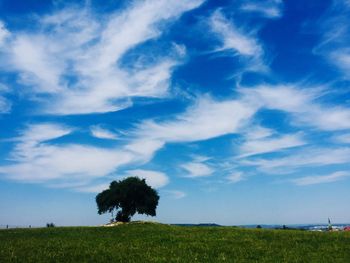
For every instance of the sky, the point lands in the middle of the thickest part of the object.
(237, 112)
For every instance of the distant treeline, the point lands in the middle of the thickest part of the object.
(14, 226)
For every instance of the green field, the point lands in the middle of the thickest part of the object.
(163, 243)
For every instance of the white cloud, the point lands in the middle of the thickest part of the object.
(267, 145)
(341, 58)
(38, 68)
(200, 158)
(99, 132)
(336, 36)
(281, 97)
(144, 148)
(235, 177)
(69, 162)
(196, 169)
(233, 38)
(42, 132)
(327, 118)
(257, 132)
(320, 179)
(301, 103)
(309, 157)
(75, 56)
(268, 8)
(206, 119)
(342, 138)
(175, 194)
(92, 188)
(234, 116)
(136, 25)
(5, 105)
(153, 178)
(4, 33)
(35, 158)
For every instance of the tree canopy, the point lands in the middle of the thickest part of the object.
(128, 197)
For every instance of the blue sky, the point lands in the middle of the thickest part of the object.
(236, 111)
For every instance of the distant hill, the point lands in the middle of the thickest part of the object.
(201, 224)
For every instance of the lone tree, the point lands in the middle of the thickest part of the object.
(129, 196)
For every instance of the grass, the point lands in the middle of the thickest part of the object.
(163, 243)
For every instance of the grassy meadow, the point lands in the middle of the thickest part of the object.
(163, 243)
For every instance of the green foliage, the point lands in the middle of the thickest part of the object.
(131, 195)
(161, 243)
(50, 225)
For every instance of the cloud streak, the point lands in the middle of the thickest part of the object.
(336, 36)
(197, 169)
(155, 179)
(321, 179)
(37, 158)
(197, 122)
(76, 61)
(267, 145)
(235, 177)
(232, 37)
(75, 56)
(307, 157)
(302, 104)
(238, 41)
(175, 194)
(268, 8)
(101, 133)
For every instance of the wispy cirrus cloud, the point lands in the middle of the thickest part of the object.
(96, 188)
(40, 160)
(48, 162)
(4, 33)
(233, 38)
(255, 132)
(84, 73)
(145, 148)
(175, 194)
(268, 8)
(37, 133)
(336, 35)
(321, 179)
(342, 138)
(74, 56)
(37, 158)
(270, 144)
(306, 157)
(5, 104)
(289, 98)
(102, 133)
(197, 169)
(196, 123)
(238, 41)
(155, 179)
(302, 104)
(235, 177)
(235, 117)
